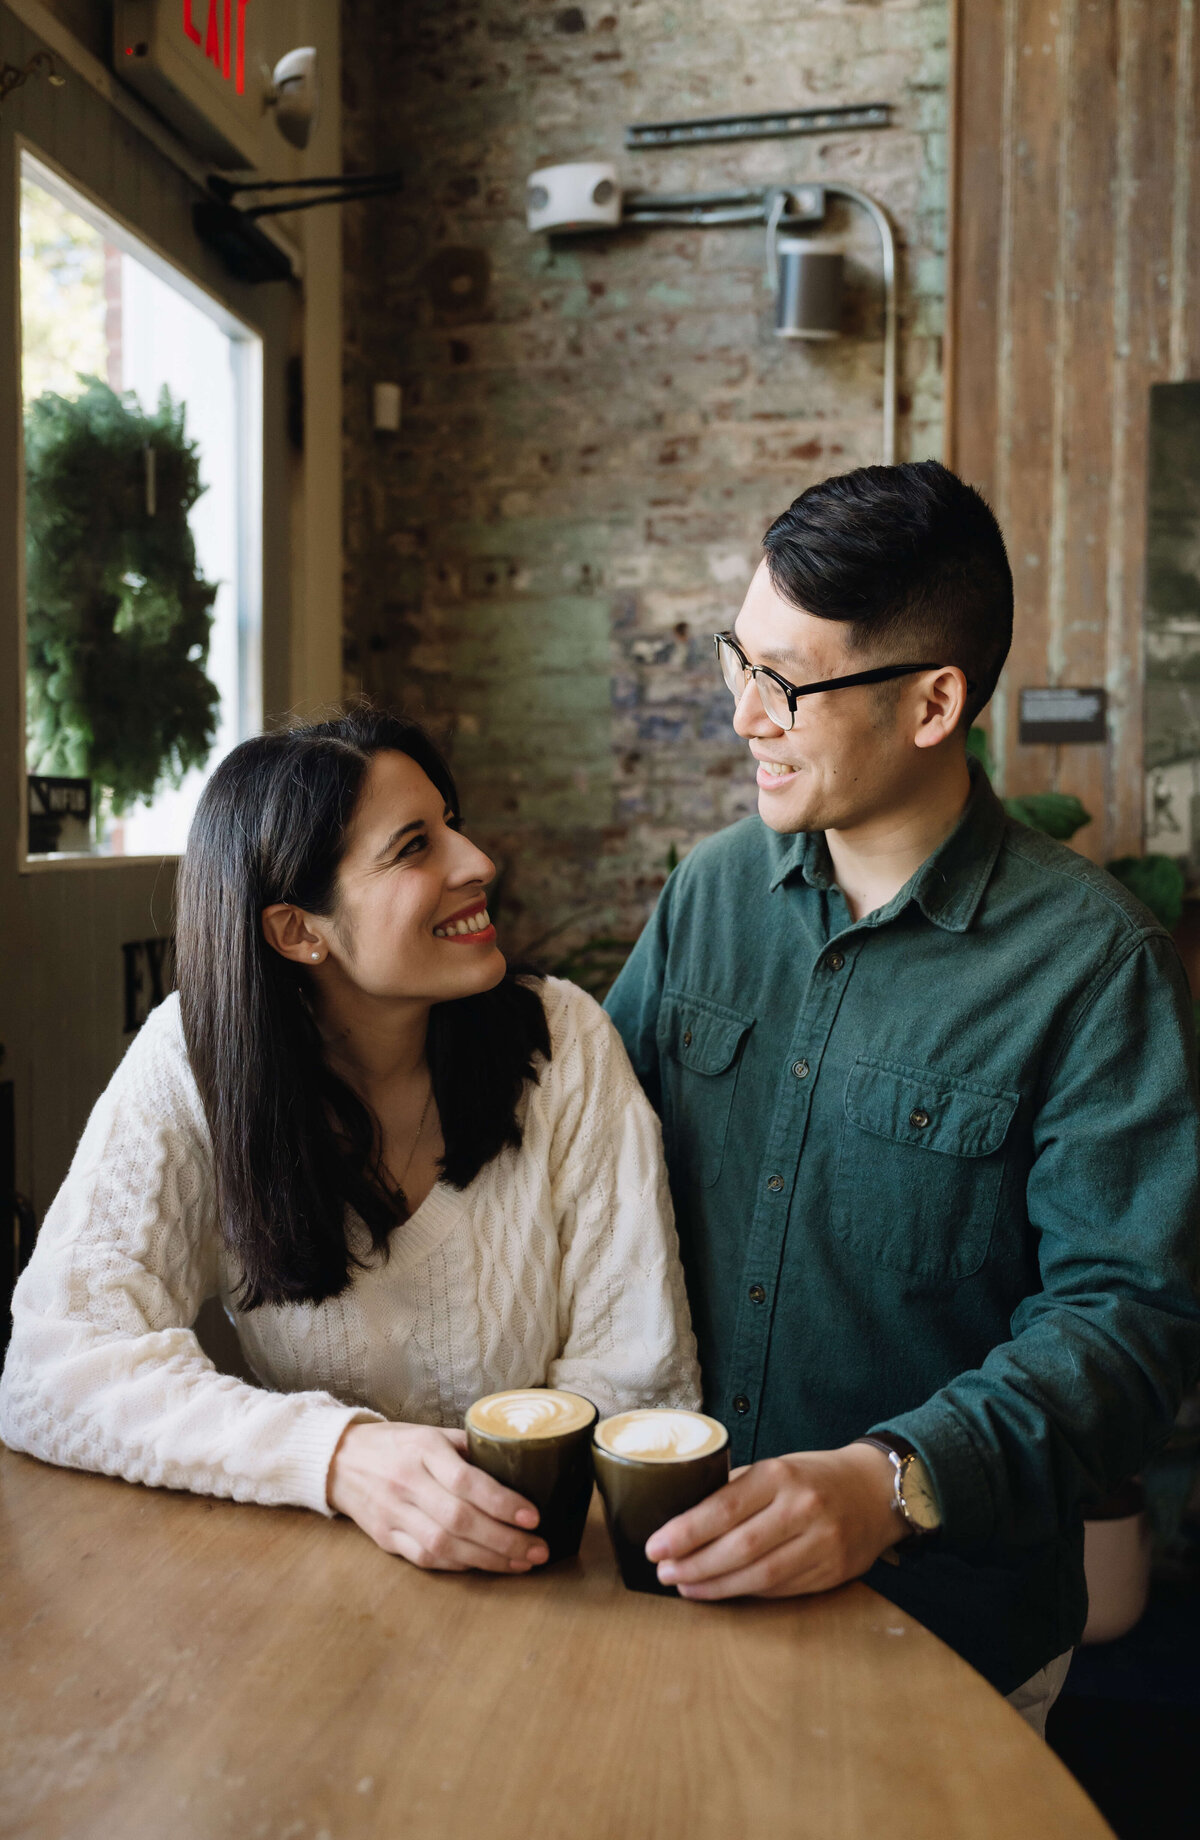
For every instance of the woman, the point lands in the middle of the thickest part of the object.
(411, 1177)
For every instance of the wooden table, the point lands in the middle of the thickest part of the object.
(178, 1668)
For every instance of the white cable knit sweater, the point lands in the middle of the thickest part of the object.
(557, 1266)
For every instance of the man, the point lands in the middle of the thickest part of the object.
(927, 1085)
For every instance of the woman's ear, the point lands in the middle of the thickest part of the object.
(290, 931)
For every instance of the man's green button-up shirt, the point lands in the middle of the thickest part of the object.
(935, 1173)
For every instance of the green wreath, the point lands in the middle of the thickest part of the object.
(117, 615)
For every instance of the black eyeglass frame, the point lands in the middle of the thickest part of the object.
(880, 674)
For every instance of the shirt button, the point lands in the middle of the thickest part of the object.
(834, 962)
(918, 1119)
(757, 1294)
(774, 1183)
(687, 1038)
(800, 1069)
(741, 1404)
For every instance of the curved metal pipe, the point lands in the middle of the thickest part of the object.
(736, 207)
(888, 244)
(694, 215)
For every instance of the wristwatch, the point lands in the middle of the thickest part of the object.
(913, 1494)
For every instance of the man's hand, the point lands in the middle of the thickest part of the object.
(799, 1523)
(409, 1487)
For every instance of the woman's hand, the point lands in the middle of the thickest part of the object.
(409, 1487)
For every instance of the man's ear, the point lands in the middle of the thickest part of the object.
(291, 932)
(943, 700)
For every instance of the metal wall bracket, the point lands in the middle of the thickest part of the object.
(757, 127)
(13, 76)
(750, 205)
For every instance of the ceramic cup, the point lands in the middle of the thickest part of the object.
(652, 1465)
(538, 1441)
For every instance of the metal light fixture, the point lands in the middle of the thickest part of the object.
(808, 293)
(805, 276)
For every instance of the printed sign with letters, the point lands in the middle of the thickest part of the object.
(60, 815)
(1057, 716)
(203, 65)
(149, 976)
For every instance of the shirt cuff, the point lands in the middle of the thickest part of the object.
(960, 1479)
(301, 1472)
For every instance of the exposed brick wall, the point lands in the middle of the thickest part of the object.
(597, 431)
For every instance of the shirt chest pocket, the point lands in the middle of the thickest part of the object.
(700, 1050)
(920, 1168)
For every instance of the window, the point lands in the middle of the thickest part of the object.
(143, 474)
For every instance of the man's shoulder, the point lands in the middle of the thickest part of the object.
(1069, 889)
(748, 848)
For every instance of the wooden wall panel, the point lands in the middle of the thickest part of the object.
(975, 175)
(1075, 235)
(1186, 300)
(1077, 639)
(1030, 234)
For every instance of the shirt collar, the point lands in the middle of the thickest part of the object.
(947, 887)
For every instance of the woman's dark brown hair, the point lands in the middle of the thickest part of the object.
(292, 1144)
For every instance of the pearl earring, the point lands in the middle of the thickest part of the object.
(316, 955)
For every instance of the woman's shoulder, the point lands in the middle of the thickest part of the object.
(148, 1119)
(155, 1072)
(569, 1009)
(160, 1037)
(579, 1028)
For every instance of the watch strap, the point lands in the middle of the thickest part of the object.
(900, 1455)
(891, 1447)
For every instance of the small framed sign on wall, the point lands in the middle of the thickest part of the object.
(60, 815)
(147, 976)
(1060, 716)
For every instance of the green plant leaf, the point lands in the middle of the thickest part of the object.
(1156, 881)
(1056, 814)
(594, 965)
(978, 745)
(118, 616)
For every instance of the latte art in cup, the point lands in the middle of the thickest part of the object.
(538, 1442)
(651, 1466)
(661, 1436)
(535, 1412)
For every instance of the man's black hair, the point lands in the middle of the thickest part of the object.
(910, 559)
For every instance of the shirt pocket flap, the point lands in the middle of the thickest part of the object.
(926, 1108)
(702, 1036)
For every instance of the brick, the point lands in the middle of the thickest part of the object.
(577, 497)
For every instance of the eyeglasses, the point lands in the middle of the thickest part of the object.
(779, 697)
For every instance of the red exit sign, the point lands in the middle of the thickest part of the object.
(225, 28)
(205, 66)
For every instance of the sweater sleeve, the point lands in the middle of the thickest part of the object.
(625, 1335)
(104, 1371)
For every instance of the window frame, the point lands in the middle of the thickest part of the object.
(136, 243)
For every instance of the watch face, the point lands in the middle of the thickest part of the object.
(920, 1502)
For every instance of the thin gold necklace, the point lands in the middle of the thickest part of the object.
(416, 1140)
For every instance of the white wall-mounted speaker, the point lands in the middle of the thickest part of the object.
(295, 95)
(582, 195)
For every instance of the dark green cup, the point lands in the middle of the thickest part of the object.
(653, 1479)
(537, 1440)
